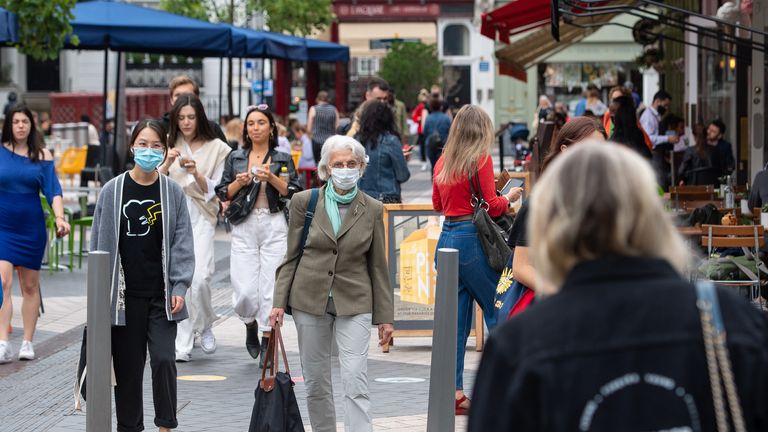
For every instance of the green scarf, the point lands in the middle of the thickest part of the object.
(332, 200)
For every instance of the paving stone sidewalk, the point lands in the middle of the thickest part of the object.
(38, 395)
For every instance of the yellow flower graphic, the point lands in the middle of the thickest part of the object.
(505, 282)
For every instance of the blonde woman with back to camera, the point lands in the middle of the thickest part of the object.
(615, 340)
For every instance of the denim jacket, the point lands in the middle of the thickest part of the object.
(237, 162)
(386, 169)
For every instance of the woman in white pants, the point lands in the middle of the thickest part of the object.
(259, 236)
(201, 158)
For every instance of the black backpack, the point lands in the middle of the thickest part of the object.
(706, 215)
(435, 142)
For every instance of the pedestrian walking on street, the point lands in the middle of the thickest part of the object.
(625, 128)
(387, 167)
(141, 219)
(419, 116)
(436, 129)
(346, 238)
(259, 241)
(466, 157)
(196, 162)
(583, 357)
(177, 87)
(26, 171)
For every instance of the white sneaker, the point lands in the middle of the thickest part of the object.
(6, 352)
(424, 166)
(183, 357)
(27, 352)
(208, 341)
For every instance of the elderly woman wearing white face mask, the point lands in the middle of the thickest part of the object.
(341, 286)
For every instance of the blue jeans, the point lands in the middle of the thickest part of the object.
(477, 281)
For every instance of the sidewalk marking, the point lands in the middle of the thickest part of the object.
(400, 380)
(201, 378)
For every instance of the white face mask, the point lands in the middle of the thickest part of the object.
(345, 178)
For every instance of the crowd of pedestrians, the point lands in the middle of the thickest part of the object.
(591, 241)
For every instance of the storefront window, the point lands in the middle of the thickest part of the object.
(565, 81)
(717, 89)
(456, 40)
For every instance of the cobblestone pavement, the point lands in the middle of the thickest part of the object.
(38, 395)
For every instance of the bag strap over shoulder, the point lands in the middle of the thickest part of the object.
(308, 216)
(718, 359)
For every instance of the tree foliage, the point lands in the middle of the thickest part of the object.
(297, 17)
(409, 67)
(192, 9)
(44, 26)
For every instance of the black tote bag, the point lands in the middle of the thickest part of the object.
(275, 408)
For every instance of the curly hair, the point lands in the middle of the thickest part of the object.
(377, 119)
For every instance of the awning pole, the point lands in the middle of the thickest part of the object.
(103, 155)
(119, 126)
(221, 80)
(263, 74)
(757, 92)
(240, 87)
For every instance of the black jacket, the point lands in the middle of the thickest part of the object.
(698, 170)
(237, 162)
(620, 348)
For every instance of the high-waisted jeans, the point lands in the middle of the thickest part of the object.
(477, 281)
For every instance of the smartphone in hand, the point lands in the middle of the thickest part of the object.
(511, 183)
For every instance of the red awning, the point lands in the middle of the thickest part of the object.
(515, 17)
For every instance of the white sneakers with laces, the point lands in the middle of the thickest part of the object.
(6, 352)
(27, 352)
(208, 341)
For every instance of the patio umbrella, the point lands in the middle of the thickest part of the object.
(9, 26)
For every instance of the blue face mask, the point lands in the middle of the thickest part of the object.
(148, 159)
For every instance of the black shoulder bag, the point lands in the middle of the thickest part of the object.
(308, 216)
(242, 204)
(492, 237)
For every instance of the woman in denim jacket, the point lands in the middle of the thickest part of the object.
(387, 167)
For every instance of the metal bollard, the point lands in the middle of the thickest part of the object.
(99, 345)
(442, 374)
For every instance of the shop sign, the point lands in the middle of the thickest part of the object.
(485, 66)
(386, 11)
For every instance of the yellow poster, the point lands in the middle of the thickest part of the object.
(418, 277)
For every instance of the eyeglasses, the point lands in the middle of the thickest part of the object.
(157, 145)
(350, 165)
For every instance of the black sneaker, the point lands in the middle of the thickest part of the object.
(264, 344)
(252, 339)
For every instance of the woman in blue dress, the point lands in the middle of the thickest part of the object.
(26, 170)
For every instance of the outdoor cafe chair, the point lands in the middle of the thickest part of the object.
(748, 237)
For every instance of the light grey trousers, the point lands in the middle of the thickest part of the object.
(352, 334)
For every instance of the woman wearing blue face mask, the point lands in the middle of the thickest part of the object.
(142, 220)
(340, 288)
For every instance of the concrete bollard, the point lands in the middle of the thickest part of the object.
(441, 416)
(99, 345)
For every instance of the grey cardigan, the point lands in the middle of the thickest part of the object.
(178, 248)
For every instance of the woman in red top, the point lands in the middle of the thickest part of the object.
(466, 152)
(419, 116)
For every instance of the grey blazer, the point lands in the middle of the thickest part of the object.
(352, 265)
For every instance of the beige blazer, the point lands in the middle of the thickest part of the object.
(352, 265)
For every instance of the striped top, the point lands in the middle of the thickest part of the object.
(324, 125)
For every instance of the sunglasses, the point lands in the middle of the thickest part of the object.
(259, 107)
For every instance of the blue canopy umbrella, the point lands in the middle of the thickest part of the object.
(126, 27)
(9, 26)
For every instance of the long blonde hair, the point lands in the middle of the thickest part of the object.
(470, 137)
(597, 200)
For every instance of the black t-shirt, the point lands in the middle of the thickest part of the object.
(518, 235)
(141, 239)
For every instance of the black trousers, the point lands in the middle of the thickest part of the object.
(146, 327)
(422, 143)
